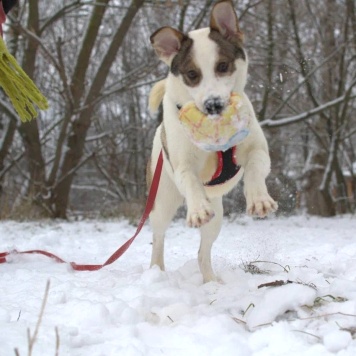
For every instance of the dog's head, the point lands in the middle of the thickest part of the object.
(211, 62)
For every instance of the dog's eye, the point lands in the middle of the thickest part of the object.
(192, 74)
(222, 67)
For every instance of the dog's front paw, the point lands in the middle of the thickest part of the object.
(201, 215)
(261, 206)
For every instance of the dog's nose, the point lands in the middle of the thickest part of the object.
(214, 105)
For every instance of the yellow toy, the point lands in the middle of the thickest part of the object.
(217, 132)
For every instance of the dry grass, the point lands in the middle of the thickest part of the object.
(250, 267)
(32, 338)
(20, 209)
(132, 211)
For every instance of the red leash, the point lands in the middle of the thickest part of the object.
(118, 253)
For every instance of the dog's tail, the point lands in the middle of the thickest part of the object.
(156, 95)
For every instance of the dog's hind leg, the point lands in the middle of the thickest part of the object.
(208, 234)
(167, 201)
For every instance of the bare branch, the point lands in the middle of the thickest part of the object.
(305, 115)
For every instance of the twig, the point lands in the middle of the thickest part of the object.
(261, 325)
(282, 283)
(274, 284)
(306, 333)
(57, 341)
(285, 268)
(308, 318)
(326, 315)
(251, 305)
(251, 268)
(32, 339)
(237, 320)
(319, 300)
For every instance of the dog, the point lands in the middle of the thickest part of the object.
(205, 66)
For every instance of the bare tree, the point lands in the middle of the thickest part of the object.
(94, 62)
(81, 91)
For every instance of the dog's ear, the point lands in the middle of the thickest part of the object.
(223, 19)
(167, 41)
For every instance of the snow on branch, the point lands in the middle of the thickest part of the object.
(305, 115)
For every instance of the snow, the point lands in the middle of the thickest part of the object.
(308, 306)
(348, 172)
(302, 116)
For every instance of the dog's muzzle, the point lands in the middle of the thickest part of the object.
(214, 105)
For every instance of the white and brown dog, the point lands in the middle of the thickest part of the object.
(206, 66)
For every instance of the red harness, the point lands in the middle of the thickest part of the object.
(227, 167)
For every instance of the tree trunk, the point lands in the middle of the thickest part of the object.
(317, 192)
(29, 131)
(81, 125)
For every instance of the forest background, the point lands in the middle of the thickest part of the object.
(86, 155)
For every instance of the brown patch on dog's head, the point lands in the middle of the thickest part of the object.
(174, 48)
(229, 52)
(183, 63)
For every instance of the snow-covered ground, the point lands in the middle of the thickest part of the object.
(128, 309)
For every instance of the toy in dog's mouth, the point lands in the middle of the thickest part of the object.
(217, 132)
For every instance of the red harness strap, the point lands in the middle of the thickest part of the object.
(121, 250)
(2, 17)
(227, 167)
(5, 7)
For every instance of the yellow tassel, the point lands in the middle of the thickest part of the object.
(19, 87)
